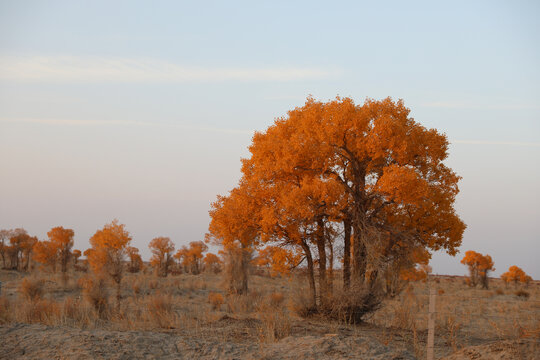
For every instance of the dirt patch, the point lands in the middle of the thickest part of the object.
(23, 341)
(502, 350)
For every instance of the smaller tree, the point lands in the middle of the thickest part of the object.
(135, 260)
(76, 254)
(212, 262)
(62, 240)
(162, 255)
(108, 253)
(516, 275)
(45, 253)
(191, 257)
(479, 267)
(20, 251)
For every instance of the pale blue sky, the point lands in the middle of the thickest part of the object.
(141, 112)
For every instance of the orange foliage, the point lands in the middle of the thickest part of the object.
(516, 275)
(108, 252)
(76, 255)
(479, 267)
(212, 263)
(162, 251)
(62, 240)
(45, 253)
(279, 260)
(191, 257)
(326, 163)
(135, 260)
(21, 248)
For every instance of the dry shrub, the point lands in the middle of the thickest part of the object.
(353, 305)
(5, 310)
(406, 311)
(499, 291)
(451, 327)
(31, 289)
(239, 304)
(39, 311)
(216, 300)
(301, 303)
(153, 284)
(96, 294)
(73, 309)
(276, 299)
(440, 291)
(161, 311)
(275, 324)
(522, 294)
(196, 283)
(136, 288)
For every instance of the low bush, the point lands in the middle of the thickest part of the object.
(31, 289)
(216, 300)
(522, 294)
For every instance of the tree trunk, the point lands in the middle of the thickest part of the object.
(321, 247)
(311, 273)
(359, 260)
(330, 280)
(347, 254)
(245, 269)
(118, 297)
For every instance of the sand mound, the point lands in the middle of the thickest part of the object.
(526, 349)
(23, 341)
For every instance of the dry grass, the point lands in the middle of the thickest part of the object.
(194, 305)
(31, 289)
(161, 311)
(96, 294)
(216, 300)
(5, 309)
(522, 294)
(275, 321)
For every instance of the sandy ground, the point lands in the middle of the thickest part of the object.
(471, 323)
(24, 341)
(34, 341)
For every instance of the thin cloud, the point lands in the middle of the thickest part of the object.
(101, 69)
(75, 122)
(462, 105)
(482, 142)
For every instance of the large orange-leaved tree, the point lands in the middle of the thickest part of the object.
(367, 171)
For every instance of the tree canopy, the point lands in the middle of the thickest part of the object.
(369, 172)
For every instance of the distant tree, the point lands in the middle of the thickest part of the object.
(45, 253)
(162, 255)
(62, 240)
(479, 267)
(109, 247)
(4, 235)
(516, 275)
(135, 260)
(278, 260)
(20, 251)
(191, 257)
(76, 254)
(212, 263)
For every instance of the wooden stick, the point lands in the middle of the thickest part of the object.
(431, 325)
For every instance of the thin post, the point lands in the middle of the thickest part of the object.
(431, 324)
